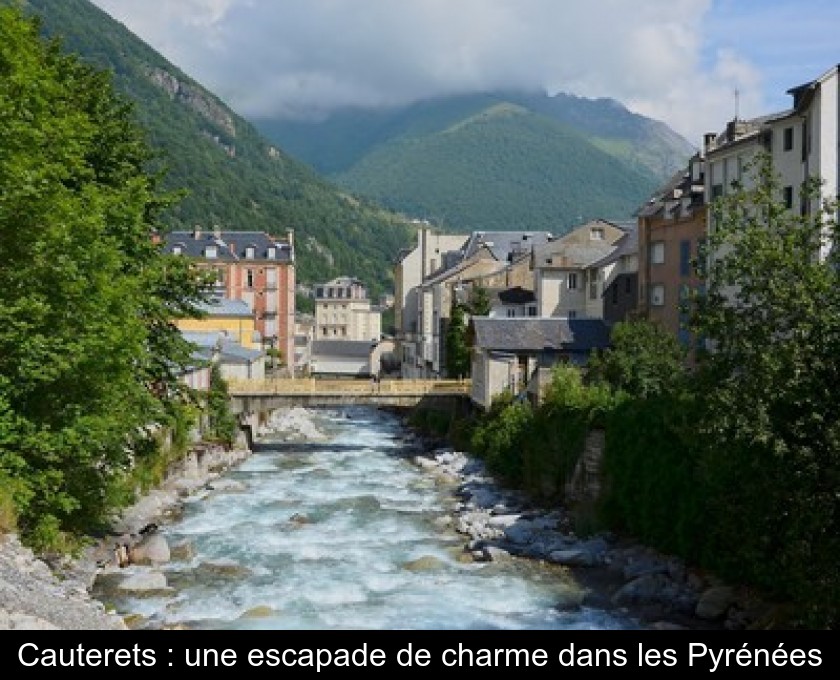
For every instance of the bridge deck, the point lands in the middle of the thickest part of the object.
(356, 388)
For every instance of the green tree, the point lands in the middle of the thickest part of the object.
(458, 359)
(772, 315)
(643, 360)
(89, 356)
(478, 303)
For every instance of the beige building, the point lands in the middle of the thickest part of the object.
(572, 273)
(343, 311)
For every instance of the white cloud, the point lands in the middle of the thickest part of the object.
(269, 58)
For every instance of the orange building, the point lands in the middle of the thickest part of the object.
(672, 227)
(253, 267)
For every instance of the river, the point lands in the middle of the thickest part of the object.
(343, 533)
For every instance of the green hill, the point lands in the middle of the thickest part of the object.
(235, 178)
(492, 161)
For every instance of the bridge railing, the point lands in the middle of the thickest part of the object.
(320, 386)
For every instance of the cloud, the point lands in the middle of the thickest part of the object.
(301, 57)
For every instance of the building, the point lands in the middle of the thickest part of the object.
(343, 311)
(232, 319)
(235, 361)
(572, 273)
(348, 358)
(672, 230)
(508, 353)
(432, 253)
(253, 267)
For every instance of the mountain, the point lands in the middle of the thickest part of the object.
(492, 161)
(234, 177)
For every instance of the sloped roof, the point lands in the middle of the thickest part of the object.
(504, 244)
(232, 245)
(221, 306)
(536, 335)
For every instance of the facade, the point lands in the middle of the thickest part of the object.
(343, 311)
(432, 253)
(672, 229)
(572, 273)
(493, 260)
(802, 142)
(508, 352)
(253, 267)
(232, 319)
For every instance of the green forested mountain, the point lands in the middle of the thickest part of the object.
(233, 176)
(492, 161)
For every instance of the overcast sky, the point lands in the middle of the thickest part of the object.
(679, 61)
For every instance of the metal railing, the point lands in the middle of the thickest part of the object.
(321, 386)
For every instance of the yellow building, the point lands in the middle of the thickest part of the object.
(233, 318)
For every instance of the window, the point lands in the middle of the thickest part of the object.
(532, 310)
(324, 331)
(250, 252)
(319, 292)
(593, 284)
(271, 253)
(572, 314)
(596, 234)
(511, 313)
(657, 252)
(249, 278)
(177, 250)
(572, 281)
(787, 144)
(685, 258)
(787, 197)
(614, 293)
(657, 295)
(717, 191)
(211, 252)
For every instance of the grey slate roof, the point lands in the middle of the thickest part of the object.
(505, 244)
(234, 353)
(517, 296)
(536, 335)
(232, 245)
(221, 306)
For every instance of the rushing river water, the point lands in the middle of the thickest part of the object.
(344, 533)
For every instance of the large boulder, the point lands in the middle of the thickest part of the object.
(153, 549)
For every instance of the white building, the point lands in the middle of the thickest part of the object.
(343, 311)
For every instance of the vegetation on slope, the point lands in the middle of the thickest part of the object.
(234, 177)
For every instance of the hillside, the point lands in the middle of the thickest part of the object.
(234, 177)
(492, 161)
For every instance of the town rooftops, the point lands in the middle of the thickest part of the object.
(540, 334)
(228, 245)
(505, 245)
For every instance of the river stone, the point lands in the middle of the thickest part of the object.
(261, 611)
(715, 602)
(146, 584)
(183, 551)
(224, 567)
(576, 557)
(152, 549)
(425, 563)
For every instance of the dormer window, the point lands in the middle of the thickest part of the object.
(250, 252)
(596, 234)
(271, 253)
(177, 250)
(211, 252)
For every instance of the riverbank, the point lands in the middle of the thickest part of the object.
(614, 573)
(40, 595)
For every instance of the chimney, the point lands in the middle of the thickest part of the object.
(290, 238)
(708, 140)
(217, 231)
(197, 232)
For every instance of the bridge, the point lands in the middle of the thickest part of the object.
(262, 396)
